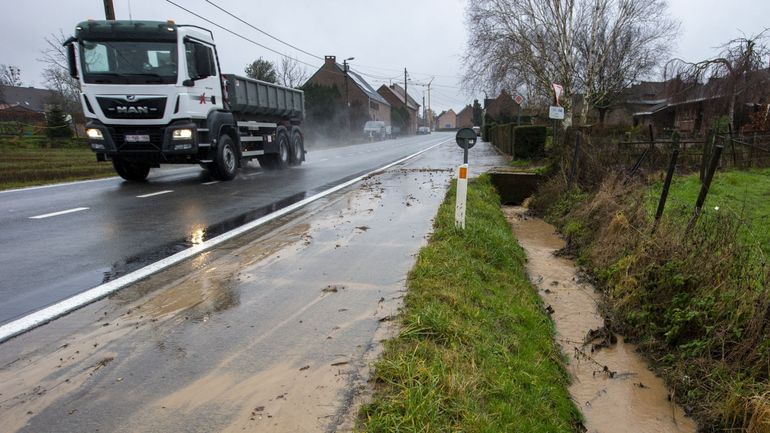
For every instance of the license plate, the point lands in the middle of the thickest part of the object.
(137, 138)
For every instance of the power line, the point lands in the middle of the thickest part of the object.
(239, 35)
(262, 31)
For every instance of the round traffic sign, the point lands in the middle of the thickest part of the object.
(466, 137)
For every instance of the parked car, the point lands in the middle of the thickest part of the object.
(375, 130)
(477, 130)
(423, 130)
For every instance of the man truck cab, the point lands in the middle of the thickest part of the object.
(153, 93)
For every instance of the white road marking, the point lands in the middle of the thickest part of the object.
(53, 214)
(254, 174)
(211, 183)
(155, 193)
(41, 317)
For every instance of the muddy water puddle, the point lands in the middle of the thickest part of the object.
(611, 384)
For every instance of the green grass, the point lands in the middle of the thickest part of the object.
(30, 161)
(475, 352)
(744, 195)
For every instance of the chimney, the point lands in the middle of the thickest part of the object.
(330, 60)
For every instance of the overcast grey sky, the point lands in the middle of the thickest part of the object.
(425, 36)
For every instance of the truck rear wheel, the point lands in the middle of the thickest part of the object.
(132, 171)
(225, 164)
(283, 156)
(296, 149)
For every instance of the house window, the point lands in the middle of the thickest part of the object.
(374, 106)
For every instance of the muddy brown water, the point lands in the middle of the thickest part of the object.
(612, 386)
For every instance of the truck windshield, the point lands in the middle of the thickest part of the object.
(129, 62)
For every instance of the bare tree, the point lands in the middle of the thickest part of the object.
(618, 42)
(291, 73)
(57, 76)
(10, 76)
(733, 75)
(590, 47)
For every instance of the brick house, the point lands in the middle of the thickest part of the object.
(447, 120)
(394, 94)
(502, 109)
(364, 102)
(465, 117)
(25, 104)
(695, 108)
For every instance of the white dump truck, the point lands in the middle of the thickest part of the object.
(153, 93)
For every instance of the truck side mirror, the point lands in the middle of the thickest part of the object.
(71, 61)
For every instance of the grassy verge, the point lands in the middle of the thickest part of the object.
(744, 195)
(31, 161)
(476, 350)
(697, 303)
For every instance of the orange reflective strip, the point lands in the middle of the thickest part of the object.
(463, 172)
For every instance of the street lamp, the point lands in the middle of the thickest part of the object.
(347, 97)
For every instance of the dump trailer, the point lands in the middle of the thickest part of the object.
(153, 93)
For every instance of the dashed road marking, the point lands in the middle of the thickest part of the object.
(53, 214)
(211, 183)
(155, 193)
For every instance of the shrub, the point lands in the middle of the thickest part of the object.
(57, 125)
(529, 142)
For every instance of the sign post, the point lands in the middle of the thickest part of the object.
(465, 138)
(556, 112)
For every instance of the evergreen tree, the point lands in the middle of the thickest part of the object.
(56, 124)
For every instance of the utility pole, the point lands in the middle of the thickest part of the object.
(347, 97)
(424, 123)
(430, 112)
(109, 10)
(406, 105)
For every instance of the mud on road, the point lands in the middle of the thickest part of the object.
(272, 332)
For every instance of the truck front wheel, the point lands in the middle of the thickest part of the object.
(132, 171)
(225, 165)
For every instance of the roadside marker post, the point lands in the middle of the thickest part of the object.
(465, 138)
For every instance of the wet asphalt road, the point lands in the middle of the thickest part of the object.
(116, 227)
(269, 332)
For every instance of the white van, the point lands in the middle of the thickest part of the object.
(375, 130)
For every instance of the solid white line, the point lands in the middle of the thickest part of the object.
(254, 174)
(32, 188)
(155, 193)
(211, 183)
(41, 317)
(53, 214)
(78, 182)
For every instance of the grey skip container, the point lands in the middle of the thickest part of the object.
(249, 96)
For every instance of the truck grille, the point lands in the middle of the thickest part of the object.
(120, 108)
(119, 133)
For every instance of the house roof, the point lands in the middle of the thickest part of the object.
(364, 86)
(27, 97)
(467, 107)
(357, 79)
(398, 92)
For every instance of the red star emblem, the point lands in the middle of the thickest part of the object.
(202, 98)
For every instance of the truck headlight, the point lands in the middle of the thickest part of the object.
(94, 133)
(182, 134)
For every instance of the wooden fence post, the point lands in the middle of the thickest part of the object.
(704, 189)
(667, 182)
